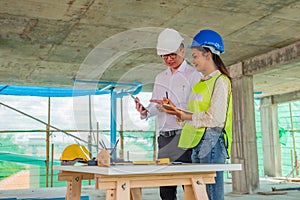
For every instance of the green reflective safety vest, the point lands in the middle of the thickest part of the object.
(199, 101)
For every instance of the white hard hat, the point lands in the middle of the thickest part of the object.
(168, 41)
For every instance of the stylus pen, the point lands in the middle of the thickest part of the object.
(167, 94)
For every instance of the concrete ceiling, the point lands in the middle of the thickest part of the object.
(48, 43)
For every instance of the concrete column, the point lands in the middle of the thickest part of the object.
(270, 138)
(244, 148)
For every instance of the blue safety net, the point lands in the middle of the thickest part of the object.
(47, 91)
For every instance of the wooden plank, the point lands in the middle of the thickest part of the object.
(159, 182)
(67, 176)
(194, 184)
(108, 182)
(106, 185)
(154, 176)
(152, 183)
(164, 182)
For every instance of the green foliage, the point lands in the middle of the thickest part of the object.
(7, 169)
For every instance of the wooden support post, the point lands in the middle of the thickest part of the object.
(74, 188)
(74, 181)
(188, 193)
(111, 194)
(136, 194)
(123, 189)
(199, 188)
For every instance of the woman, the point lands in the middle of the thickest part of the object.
(208, 129)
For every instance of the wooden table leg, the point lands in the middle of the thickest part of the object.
(74, 181)
(199, 188)
(74, 188)
(189, 193)
(110, 194)
(123, 190)
(135, 194)
(195, 191)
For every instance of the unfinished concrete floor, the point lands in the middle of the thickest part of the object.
(153, 193)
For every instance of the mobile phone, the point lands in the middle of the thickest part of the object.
(137, 101)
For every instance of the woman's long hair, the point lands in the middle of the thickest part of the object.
(217, 60)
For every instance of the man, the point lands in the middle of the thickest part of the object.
(174, 83)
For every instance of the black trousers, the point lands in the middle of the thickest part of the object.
(168, 148)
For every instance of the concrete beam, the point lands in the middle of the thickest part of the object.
(272, 59)
(282, 98)
(18, 71)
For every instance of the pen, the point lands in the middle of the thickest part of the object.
(167, 94)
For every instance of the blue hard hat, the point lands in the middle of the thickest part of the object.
(209, 38)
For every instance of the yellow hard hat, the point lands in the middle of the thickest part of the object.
(75, 151)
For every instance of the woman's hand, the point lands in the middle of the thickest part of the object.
(167, 106)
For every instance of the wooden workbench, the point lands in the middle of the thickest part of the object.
(125, 182)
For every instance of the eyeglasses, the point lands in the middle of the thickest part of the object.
(171, 55)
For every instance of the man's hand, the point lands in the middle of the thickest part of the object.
(139, 107)
(165, 105)
(158, 104)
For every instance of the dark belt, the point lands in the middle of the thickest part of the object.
(169, 133)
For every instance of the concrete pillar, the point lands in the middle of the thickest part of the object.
(244, 148)
(270, 138)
